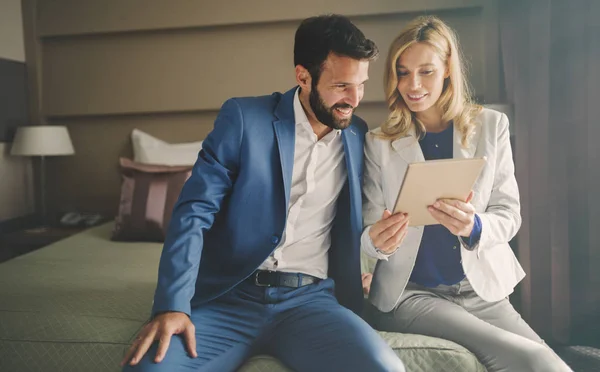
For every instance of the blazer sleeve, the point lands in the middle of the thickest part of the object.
(200, 200)
(373, 199)
(502, 217)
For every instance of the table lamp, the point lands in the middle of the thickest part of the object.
(42, 141)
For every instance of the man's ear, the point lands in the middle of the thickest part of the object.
(303, 78)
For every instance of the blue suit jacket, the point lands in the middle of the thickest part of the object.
(232, 211)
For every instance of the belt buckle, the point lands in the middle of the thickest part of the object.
(256, 279)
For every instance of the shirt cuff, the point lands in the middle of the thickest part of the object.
(369, 248)
(473, 239)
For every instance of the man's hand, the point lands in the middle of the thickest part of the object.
(455, 215)
(161, 329)
(388, 233)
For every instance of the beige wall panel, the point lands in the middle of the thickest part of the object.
(68, 17)
(11, 31)
(170, 83)
(90, 180)
(198, 69)
(167, 71)
(374, 113)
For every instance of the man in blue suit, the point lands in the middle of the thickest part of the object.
(262, 253)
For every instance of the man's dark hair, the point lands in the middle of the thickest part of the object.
(316, 37)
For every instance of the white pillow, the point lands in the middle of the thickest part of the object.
(151, 150)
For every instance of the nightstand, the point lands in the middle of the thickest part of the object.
(23, 241)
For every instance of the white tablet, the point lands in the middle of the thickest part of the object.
(427, 181)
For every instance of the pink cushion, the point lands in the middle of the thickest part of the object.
(148, 195)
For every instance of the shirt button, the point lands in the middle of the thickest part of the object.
(454, 247)
(275, 239)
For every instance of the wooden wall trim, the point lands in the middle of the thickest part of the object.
(75, 17)
(13, 97)
(33, 58)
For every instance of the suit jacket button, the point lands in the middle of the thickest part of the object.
(275, 239)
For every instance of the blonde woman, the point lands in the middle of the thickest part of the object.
(450, 280)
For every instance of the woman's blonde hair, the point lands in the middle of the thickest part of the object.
(455, 101)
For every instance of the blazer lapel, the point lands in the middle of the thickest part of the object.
(285, 132)
(408, 148)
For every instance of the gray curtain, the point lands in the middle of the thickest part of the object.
(551, 63)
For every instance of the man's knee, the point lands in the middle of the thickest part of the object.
(146, 364)
(175, 356)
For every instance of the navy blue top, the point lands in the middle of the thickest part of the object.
(439, 259)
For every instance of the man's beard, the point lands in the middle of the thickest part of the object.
(325, 114)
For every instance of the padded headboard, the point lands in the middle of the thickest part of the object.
(90, 180)
(167, 71)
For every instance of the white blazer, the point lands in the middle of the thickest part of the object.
(492, 268)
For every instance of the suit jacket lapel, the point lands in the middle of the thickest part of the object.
(353, 154)
(285, 132)
(351, 146)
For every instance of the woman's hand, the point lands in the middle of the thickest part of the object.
(388, 233)
(456, 215)
(367, 278)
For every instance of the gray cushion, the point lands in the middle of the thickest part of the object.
(76, 305)
(419, 353)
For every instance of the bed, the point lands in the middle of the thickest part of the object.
(75, 305)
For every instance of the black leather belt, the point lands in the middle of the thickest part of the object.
(265, 278)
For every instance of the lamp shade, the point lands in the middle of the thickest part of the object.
(42, 140)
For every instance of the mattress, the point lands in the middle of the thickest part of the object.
(75, 305)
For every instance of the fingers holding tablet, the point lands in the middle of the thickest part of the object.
(388, 233)
(456, 215)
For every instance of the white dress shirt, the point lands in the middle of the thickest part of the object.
(318, 176)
